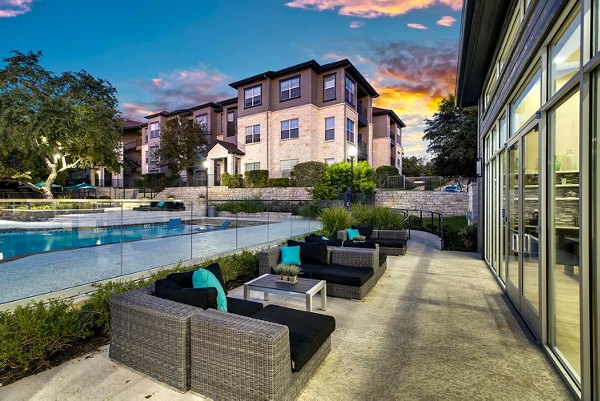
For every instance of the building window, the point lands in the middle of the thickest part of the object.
(527, 103)
(349, 130)
(202, 121)
(289, 88)
(287, 166)
(231, 123)
(564, 55)
(252, 166)
(290, 128)
(329, 87)
(350, 91)
(253, 96)
(154, 130)
(329, 128)
(329, 161)
(253, 134)
(154, 154)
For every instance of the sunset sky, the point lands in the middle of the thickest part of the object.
(163, 55)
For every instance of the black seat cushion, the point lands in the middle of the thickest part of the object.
(329, 242)
(308, 269)
(366, 244)
(345, 275)
(200, 297)
(315, 253)
(308, 330)
(364, 230)
(392, 243)
(185, 279)
(242, 307)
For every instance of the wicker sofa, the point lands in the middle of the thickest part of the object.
(342, 261)
(216, 354)
(391, 242)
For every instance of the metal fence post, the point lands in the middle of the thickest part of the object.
(441, 232)
(421, 219)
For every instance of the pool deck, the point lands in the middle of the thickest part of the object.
(55, 271)
(435, 327)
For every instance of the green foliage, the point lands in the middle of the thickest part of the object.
(155, 181)
(32, 335)
(382, 173)
(461, 239)
(181, 141)
(250, 205)
(336, 179)
(257, 178)
(416, 167)
(380, 218)
(286, 270)
(50, 124)
(232, 180)
(452, 136)
(335, 219)
(306, 174)
(278, 182)
(309, 210)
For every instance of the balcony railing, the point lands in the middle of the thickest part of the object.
(362, 151)
(362, 114)
(231, 128)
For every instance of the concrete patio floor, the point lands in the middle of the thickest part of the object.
(436, 326)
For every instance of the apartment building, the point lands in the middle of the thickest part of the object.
(533, 70)
(306, 112)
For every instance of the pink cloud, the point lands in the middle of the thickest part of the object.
(416, 26)
(446, 21)
(14, 8)
(357, 24)
(371, 8)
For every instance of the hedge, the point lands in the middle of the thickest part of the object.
(232, 180)
(257, 178)
(306, 174)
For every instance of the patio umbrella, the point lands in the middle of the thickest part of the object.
(82, 187)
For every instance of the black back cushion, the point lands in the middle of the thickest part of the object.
(200, 297)
(185, 279)
(314, 253)
(329, 242)
(364, 230)
(365, 244)
(215, 269)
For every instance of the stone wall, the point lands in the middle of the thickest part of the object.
(447, 203)
(190, 194)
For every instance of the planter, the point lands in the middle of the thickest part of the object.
(280, 278)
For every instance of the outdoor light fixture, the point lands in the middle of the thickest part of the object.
(206, 165)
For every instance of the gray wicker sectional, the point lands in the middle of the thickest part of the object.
(391, 242)
(221, 355)
(346, 257)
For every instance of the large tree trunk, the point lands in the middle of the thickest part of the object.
(190, 176)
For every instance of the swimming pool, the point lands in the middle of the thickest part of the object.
(21, 243)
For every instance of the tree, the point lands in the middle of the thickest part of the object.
(452, 136)
(306, 174)
(182, 141)
(51, 123)
(336, 179)
(416, 167)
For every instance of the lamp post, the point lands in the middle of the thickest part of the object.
(206, 164)
(352, 154)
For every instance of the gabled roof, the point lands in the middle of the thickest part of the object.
(131, 125)
(345, 63)
(380, 112)
(231, 148)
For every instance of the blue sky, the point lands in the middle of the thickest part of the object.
(170, 54)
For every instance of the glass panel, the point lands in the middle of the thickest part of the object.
(531, 211)
(503, 132)
(527, 103)
(513, 214)
(565, 55)
(502, 184)
(564, 268)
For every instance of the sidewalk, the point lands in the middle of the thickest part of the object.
(435, 327)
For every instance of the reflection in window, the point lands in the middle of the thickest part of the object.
(527, 103)
(503, 129)
(564, 269)
(565, 55)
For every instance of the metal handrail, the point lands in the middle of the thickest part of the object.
(439, 217)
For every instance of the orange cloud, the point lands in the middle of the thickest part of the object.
(14, 8)
(372, 8)
(416, 26)
(446, 21)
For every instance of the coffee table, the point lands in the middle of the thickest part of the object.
(305, 287)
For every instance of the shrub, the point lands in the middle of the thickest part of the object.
(250, 205)
(257, 178)
(278, 182)
(380, 218)
(309, 210)
(153, 180)
(460, 239)
(336, 179)
(382, 173)
(306, 174)
(232, 180)
(335, 219)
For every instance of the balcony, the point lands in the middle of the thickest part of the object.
(231, 128)
(362, 115)
(362, 151)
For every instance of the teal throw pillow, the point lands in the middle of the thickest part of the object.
(290, 255)
(352, 233)
(202, 278)
(324, 238)
(160, 204)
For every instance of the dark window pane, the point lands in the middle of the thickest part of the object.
(295, 92)
(294, 133)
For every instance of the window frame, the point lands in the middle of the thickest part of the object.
(281, 91)
(289, 129)
(334, 75)
(252, 97)
(353, 102)
(205, 115)
(255, 164)
(330, 129)
(349, 120)
(253, 134)
(155, 133)
(289, 170)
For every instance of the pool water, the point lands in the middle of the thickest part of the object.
(23, 243)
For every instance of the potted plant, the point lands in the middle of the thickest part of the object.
(359, 238)
(286, 273)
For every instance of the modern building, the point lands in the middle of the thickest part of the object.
(532, 69)
(306, 112)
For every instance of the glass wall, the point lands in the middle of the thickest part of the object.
(531, 212)
(513, 215)
(564, 55)
(564, 273)
(527, 103)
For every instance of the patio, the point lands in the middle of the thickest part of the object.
(436, 326)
